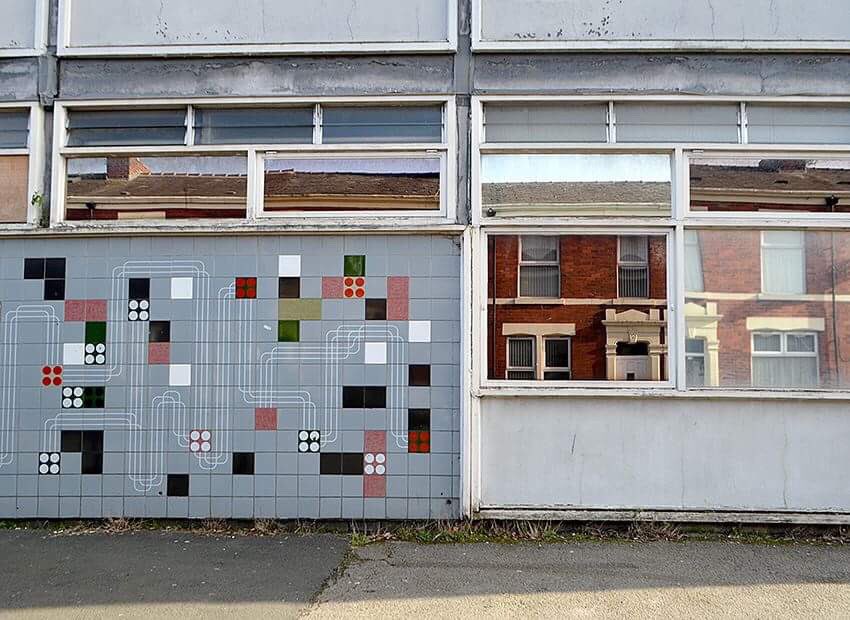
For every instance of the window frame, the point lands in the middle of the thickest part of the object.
(560, 369)
(783, 350)
(680, 220)
(521, 263)
(35, 152)
(40, 35)
(703, 355)
(621, 263)
(800, 248)
(534, 354)
(446, 150)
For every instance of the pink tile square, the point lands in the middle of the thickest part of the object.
(398, 287)
(96, 310)
(75, 310)
(265, 419)
(375, 441)
(374, 486)
(398, 309)
(332, 288)
(159, 353)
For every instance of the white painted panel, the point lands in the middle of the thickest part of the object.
(549, 21)
(169, 23)
(665, 454)
(18, 24)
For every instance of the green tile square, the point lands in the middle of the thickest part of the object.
(300, 309)
(288, 331)
(95, 332)
(355, 266)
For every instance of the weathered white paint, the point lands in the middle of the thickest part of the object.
(179, 24)
(19, 25)
(685, 22)
(665, 454)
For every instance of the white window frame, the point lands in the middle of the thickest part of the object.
(65, 49)
(480, 44)
(40, 21)
(524, 263)
(621, 263)
(446, 150)
(784, 352)
(763, 245)
(680, 219)
(544, 368)
(703, 356)
(35, 151)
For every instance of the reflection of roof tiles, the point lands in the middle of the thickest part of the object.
(731, 178)
(276, 184)
(576, 193)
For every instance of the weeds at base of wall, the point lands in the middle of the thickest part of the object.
(364, 533)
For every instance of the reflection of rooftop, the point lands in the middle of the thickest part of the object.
(624, 196)
(770, 178)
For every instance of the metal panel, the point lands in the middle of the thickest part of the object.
(784, 124)
(546, 122)
(19, 24)
(675, 122)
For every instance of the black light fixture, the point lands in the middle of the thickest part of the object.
(91, 206)
(832, 202)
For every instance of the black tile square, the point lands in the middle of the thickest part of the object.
(352, 464)
(330, 464)
(243, 463)
(353, 397)
(376, 398)
(72, 441)
(54, 268)
(54, 290)
(92, 441)
(419, 420)
(419, 375)
(139, 288)
(160, 331)
(376, 309)
(289, 288)
(34, 268)
(178, 485)
(92, 463)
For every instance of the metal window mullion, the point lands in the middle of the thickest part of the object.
(743, 124)
(317, 124)
(190, 125)
(612, 124)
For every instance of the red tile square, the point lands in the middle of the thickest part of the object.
(398, 309)
(355, 287)
(265, 419)
(332, 288)
(96, 310)
(374, 486)
(75, 310)
(398, 287)
(419, 442)
(375, 441)
(159, 353)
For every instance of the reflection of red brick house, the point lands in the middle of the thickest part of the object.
(772, 286)
(590, 271)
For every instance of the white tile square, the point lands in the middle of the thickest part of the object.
(180, 374)
(419, 331)
(376, 353)
(73, 354)
(289, 266)
(182, 288)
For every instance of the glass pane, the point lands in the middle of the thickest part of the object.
(126, 127)
(677, 122)
(521, 353)
(521, 375)
(785, 372)
(14, 129)
(633, 249)
(14, 188)
(558, 184)
(693, 262)
(634, 281)
(133, 187)
(254, 126)
(695, 371)
(767, 342)
(546, 122)
(776, 185)
(352, 184)
(798, 124)
(742, 318)
(346, 124)
(585, 309)
(540, 249)
(694, 345)
(557, 353)
(557, 376)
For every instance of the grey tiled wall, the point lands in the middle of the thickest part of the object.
(200, 400)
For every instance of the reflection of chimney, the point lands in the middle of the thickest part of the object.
(777, 165)
(125, 168)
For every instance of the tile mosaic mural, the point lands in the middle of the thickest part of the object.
(244, 377)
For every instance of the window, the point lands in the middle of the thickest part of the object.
(785, 360)
(693, 262)
(557, 359)
(560, 122)
(695, 362)
(770, 123)
(783, 257)
(575, 184)
(15, 161)
(201, 161)
(677, 122)
(521, 359)
(539, 267)
(633, 267)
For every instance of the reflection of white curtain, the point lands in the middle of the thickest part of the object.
(539, 281)
(783, 262)
(785, 372)
(693, 263)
